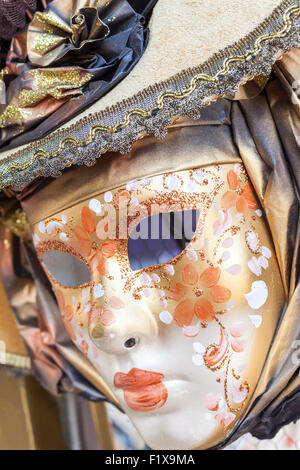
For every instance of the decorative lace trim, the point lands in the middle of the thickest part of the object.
(153, 109)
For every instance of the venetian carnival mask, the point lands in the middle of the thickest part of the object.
(155, 168)
(170, 286)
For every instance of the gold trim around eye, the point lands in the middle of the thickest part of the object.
(49, 245)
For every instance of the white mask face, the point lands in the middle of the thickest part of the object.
(177, 319)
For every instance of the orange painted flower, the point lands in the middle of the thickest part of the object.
(209, 278)
(177, 291)
(83, 244)
(66, 313)
(109, 248)
(84, 347)
(87, 220)
(190, 275)
(184, 312)
(203, 308)
(99, 263)
(124, 197)
(242, 198)
(106, 317)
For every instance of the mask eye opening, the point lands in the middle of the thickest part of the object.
(173, 232)
(63, 265)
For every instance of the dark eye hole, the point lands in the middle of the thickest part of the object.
(66, 269)
(160, 237)
(130, 343)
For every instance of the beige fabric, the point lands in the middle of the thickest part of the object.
(183, 34)
(176, 27)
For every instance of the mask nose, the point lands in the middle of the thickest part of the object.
(129, 329)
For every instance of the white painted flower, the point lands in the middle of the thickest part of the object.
(256, 320)
(227, 243)
(225, 256)
(197, 360)
(258, 295)
(169, 269)
(64, 237)
(266, 252)
(146, 292)
(258, 212)
(172, 182)
(145, 181)
(108, 196)
(191, 331)
(98, 291)
(155, 277)
(199, 351)
(162, 293)
(253, 241)
(230, 305)
(239, 395)
(234, 269)
(237, 168)
(166, 317)
(145, 279)
(64, 218)
(132, 186)
(84, 296)
(254, 266)
(42, 227)
(192, 255)
(198, 175)
(198, 347)
(95, 206)
(52, 225)
(263, 262)
(36, 239)
(225, 222)
(87, 308)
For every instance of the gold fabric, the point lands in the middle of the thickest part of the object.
(263, 134)
(29, 416)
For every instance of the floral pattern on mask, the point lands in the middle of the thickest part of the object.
(193, 288)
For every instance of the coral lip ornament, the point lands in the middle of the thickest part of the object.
(143, 390)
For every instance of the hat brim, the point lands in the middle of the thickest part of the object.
(146, 103)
